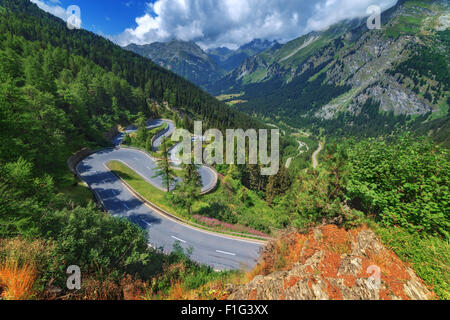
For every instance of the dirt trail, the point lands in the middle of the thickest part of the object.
(315, 161)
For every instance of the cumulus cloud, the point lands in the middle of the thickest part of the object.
(232, 23)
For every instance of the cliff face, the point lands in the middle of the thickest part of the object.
(331, 263)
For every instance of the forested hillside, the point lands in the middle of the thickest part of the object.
(186, 59)
(62, 90)
(71, 86)
(352, 80)
(24, 19)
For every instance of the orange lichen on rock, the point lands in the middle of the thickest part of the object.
(336, 239)
(253, 295)
(331, 263)
(291, 281)
(333, 292)
(294, 251)
(280, 255)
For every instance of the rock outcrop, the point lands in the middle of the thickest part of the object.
(331, 263)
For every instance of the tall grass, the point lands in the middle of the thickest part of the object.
(17, 281)
(178, 291)
(25, 268)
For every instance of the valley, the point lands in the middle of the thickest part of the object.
(90, 176)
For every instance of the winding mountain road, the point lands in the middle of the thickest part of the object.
(221, 252)
(315, 155)
(301, 144)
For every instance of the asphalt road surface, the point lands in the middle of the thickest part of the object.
(218, 251)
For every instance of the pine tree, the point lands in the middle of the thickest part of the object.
(164, 170)
(185, 123)
(154, 110)
(278, 184)
(141, 135)
(148, 144)
(189, 190)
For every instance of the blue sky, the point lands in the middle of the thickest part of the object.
(105, 16)
(210, 23)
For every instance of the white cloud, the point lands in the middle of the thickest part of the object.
(55, 9)
(231, 23)
(235, 22)
(329, 12)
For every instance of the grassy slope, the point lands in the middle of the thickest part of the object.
(74, 189)
(159, 198)
(145, 189)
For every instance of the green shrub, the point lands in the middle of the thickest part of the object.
(404, 183)
(429, 256)
(95, 241)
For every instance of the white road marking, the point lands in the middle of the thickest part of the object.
(147, 223)
(179, 239)
(227, 253)
(126, 206)
(222, 236)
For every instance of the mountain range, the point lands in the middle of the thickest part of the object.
(229, 60)
(403, 67)
(188, 60)
(339, 75)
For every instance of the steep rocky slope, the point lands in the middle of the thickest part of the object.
(331, 263)
(369, 66)
(395, 66)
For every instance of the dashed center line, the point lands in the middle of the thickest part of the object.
(179, 239)
(147, 223)
(227, 253)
